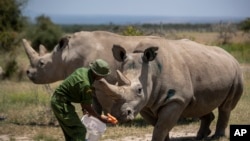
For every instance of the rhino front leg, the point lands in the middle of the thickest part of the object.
(167, 119)
(148, 116)
(204, 130)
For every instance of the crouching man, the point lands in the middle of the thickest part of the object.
(77, 88)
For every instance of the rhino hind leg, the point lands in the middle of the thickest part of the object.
(204, 130)
(221, 123)
(227, 106)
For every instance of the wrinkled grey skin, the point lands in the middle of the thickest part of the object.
(165, 80)
(74, 51)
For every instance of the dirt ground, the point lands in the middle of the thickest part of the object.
(181, 133)
(176, 136)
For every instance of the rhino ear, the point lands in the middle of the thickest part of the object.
(119, 53)
(63, 42)
(150, 54)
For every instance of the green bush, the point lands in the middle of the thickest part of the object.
(245, 25)
(44, 32)
(11, 25)
(132, 31)
(11, 67)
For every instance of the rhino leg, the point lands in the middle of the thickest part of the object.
(167, 138)
(148, 116)
(167, 119)
(204, 130)
(229, 104)
(222, 122)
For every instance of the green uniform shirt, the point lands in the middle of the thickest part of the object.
(77, 87)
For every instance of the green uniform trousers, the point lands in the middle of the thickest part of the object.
(72, 127)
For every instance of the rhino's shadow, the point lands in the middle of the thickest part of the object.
(183, 138)
(191, 138)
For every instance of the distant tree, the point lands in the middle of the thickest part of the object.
(245, 25)
(226, 32)
(11, 25)
(45, 32)
(132, 31)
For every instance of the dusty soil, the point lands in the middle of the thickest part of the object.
(180, 133)
(176, 136)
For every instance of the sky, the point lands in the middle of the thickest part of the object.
(181, 8)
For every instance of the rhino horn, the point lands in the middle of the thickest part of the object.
(42, 50)
(122, 80)
(31, 53)
(113, 91)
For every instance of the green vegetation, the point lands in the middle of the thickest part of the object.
(245, 25)
(25, 103)
(11, 25)
(132, 31)
(44, 32)
(241, 51)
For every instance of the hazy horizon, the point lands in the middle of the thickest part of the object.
(135, 19)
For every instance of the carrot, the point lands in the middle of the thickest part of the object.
(112, 119)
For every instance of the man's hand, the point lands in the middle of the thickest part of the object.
(87, 109)
(109, 119)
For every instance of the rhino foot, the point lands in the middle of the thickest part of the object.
(203, 135)
(217, 136)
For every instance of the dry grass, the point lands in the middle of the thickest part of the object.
(209, 38)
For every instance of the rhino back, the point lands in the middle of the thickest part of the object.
(85, 47)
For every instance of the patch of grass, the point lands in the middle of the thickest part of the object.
(44, 137)
(115, 132)
(25, 103)
(241, 51)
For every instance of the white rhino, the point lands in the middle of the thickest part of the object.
(76, 51)
(166, 80)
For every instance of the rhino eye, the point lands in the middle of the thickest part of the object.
(41, 63)
(139, 91)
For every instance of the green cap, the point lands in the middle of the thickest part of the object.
(100, 67)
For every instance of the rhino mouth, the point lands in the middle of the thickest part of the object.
(32, 78)
(125, 119)
(130, 117)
